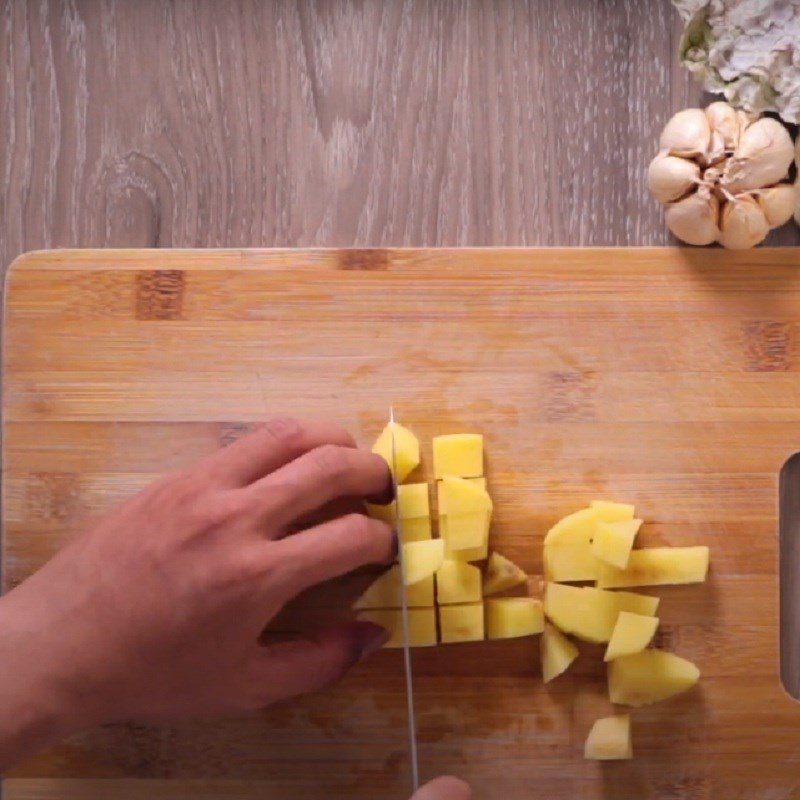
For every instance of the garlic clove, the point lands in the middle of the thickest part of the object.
(777, 203)
(762, 157)
(687, 134)
(694, 219)
(724, 121)
(670, 177)
(743, 224)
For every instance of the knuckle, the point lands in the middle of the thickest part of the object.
(335, 463)
(362, 527)
(285, 432)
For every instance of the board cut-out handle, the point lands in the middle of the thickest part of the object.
(789, 574)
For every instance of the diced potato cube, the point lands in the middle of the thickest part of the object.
(465, 530)
(461, 623)
(441, 493)
(512, 617)
(657, 566)
(591, 614)
(421, 625)
(612, 512)
(457, 582)
(502, 574)
(459, 454)
(568, 552)
(405, 449)
(461, 496)
(385, 513)
(421, 560)
(471, 553)
(610, 739)
(413, 501)
(648, 677)
(613, 541)
(385, 592)
(557, 653)
(632, 633)
(415, 530)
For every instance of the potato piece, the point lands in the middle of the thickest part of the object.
(471, 553)
(591, 614)
(385, 592)
(610, 739)
(461, 623)
(613, 541)
(657, 566)
(385, 513)
(457, 582)
(413, 501)
(632, 633)
(461, 497)
(512, 617)
(459, 454)
(421, 559)
(465, 531)
(406, 449)
(502, 574)
(612, 512)
(421, 625)
(557, 653)
(441, 493)
(568, 552)
(415, 530)
(648, 677)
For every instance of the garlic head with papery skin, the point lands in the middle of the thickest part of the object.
(724, 121)
(742, 224)
(762, 157)
(670, 177)
(694, 219)
(777, 203)
(686, 134)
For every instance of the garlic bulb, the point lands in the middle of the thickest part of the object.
(670, 177)
(686, 134)
(777, 203)
(719, 173)
(762, 157)
(694, 219)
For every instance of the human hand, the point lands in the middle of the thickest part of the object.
(445, 788)
(156, 612)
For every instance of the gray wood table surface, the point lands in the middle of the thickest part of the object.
(148, 123)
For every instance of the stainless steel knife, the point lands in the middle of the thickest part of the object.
(412, 723)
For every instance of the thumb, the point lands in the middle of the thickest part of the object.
(308, 663)
(446, 788)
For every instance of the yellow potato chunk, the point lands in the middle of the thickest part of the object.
(405, 450)
(557, 653)
(568, 552)
(421, 625)
(610, 739)
(457, 582)
(502, 574)
(648, 677)
(512, 617)
(441, 493)
(471, 553)
(632, 633)
(460, 496)
(385, 592)
(613, 541)
(385, 513)
(591, 614)
(421, 560)
(459, 454)
(657, 566)
(461, 623)
(465, 531)
(415, 530)
(612, 512)
(413, 501)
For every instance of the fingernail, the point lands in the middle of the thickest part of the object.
(369, 638)
(395, 546)
(386, 496)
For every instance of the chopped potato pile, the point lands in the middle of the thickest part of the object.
(595, 545)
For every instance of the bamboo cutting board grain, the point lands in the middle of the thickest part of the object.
(668, 378)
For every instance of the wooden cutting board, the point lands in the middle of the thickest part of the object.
(668, 378)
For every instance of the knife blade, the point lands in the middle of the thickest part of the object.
(412, 722)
